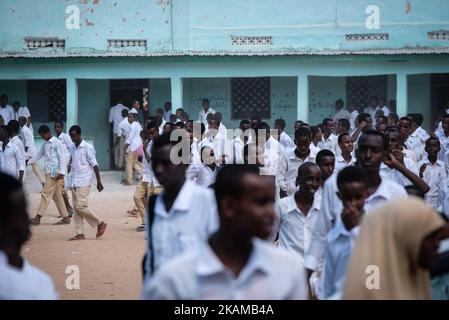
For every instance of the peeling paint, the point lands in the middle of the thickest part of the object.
(408, 7)
(88, 23)
(96, 1)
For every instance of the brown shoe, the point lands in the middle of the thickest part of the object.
(36, 220)
(78, 237)
(101, 229)
(65, 220)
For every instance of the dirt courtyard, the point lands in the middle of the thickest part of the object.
(109, 268)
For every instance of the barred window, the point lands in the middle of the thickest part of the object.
(359, 90)
(250, 97)
(47, 100)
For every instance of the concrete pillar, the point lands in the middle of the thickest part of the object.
(72, 102)
(176, 93)
(401, 94)
(302, 112)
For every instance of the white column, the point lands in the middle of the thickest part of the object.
(72, 102)
(401, 94)
(176, 93)
(302, 112)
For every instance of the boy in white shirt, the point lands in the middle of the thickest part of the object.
(20, 111)
(6, 111)
(234, 264)
(132, 143)
(204, 173)
(239, 142)
(325, 160)
(83, 162)
(30, 149)
(19, 279)
(11, 159)
(346, 146)
(329, 141)
(14, 139)
(284, 140)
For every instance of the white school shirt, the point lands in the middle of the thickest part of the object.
(353, 115)
(7, 113)
(192, 219)
(147, 171)
(223, 131)
(444, 142)
(341, 114)
(396, 176)
(83, 162)
(237, 149)
(28, 141)
(433, 175)
(124, 127)
(51, 151)
(202, 174)
(340, 163)
(384, 109)
(422, 133)
(337, 255)
(294, 227)
(330, 143)
(272, 155)
(27, 283)
(217, 143)
(22, 112)
(372, 112)
(11, 160)
(19, 144)
(67, 144)
(331, 208)
(417, 144)
(285, 141)
(410, 154)
(115, 116)
(443, 197)
(288, 169)
(203, 115)
(195, 157)
(269, 274)
(133, 139)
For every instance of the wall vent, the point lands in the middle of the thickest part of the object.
(121, 43)
(367, 37)
(251, 41)
(438, 35)
(43, 42)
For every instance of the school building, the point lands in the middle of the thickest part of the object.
(71, 60)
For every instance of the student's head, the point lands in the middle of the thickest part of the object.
(352, 183)
(414, 191)
(214, 123)
(262, 128)
(328, 126)
(432, 146)
(381, 123)
(14, 219)
(184, 117)
(405, 125)
(22, 121)
(372, 148)
(393, 135)
(305, 125)
(381, 102)
(173, 118)
(3, 100)
(309, 178)
(59, 126)
(302, 141)
(297, 124)
(179, 125)
(255, 121)
(316, 132)
(445, 123)
(167, 173)
(253, 154)
(167, 106)
(219, 116)
(179, 112)
(279, 124)
(5, 133)
(159, 112)
(136, 104)
(245, 201)
(416, 120)
(16, 105)
(325, 159)
(75, 134)
(168, 127)
(339, 104)
(346, 143)
(365, 118)
(14, 126)
(125, 113)
(152, 130)
(343, 125)
(44, 132)
(392, 120)
(205, 104)
(244, 125)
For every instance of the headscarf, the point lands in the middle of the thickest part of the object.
(390, 238)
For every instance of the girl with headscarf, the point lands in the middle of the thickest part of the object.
(399, 241)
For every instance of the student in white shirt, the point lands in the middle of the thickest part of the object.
(66, 144)
(432, 170)
(132, 143)
(292, 159)
(329, 141)
(341, 113)
(371, 153)
(416, 139)
(160, 114)
(346, 145)
(365, 122)
(183, 214)
(297, 213)
(443, 136)
(83, 163)
(284, 140)
(30, 149)
(353, 114)
(14, 139)
(20, 111)
(325, 160)
(148, 185)
(6, 111)
(55, 169)
(352, 185)
(19, 279)
(317, 137)
(271, 147)
(217, 141)
(204, 174)
(239, 142)
(371, 109)
(205, 111)
(196, 131)
(382, 106)
(116, 117)
(392, 120)
(235, 264)
(167, 111)
(11, 159)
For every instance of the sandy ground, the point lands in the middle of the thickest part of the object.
(110, 268)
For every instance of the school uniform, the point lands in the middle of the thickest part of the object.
(203, 116)
(372, 112)
(83, 162)
(444, 142)
(417, 144)
(237, 149)
(285, 141)
(115, 117)
(66, 143)
(55, 164)
(433, 175)
(134, 141)
(23, 112)
(352, 117)
(28, 141)
(443, 197)
(288, 170)
(7, 113)
(398, 177)
(11, 160)
(123, 132)
(217, 143)
(202, 174)
(331, 143)
(341, 114)
(272, 154)
(384, 109)
(340, 163)
(19, 144)
(269, 274)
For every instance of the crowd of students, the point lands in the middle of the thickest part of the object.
(255, 214)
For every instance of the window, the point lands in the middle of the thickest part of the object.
(47, 100)
(250, 97)
(359, 90)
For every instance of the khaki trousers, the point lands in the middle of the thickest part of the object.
(121, 152)
(37, 171)
(82, 212)
(51, 190)
(65, 195)
(144, 190)
(132, 163)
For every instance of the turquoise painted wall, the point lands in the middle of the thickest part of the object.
(419, 97)
(93, 106)
(323, 92)
(15, 90)
(160, 92)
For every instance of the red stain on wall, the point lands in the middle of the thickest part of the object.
(408, 7)
(88, 23)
